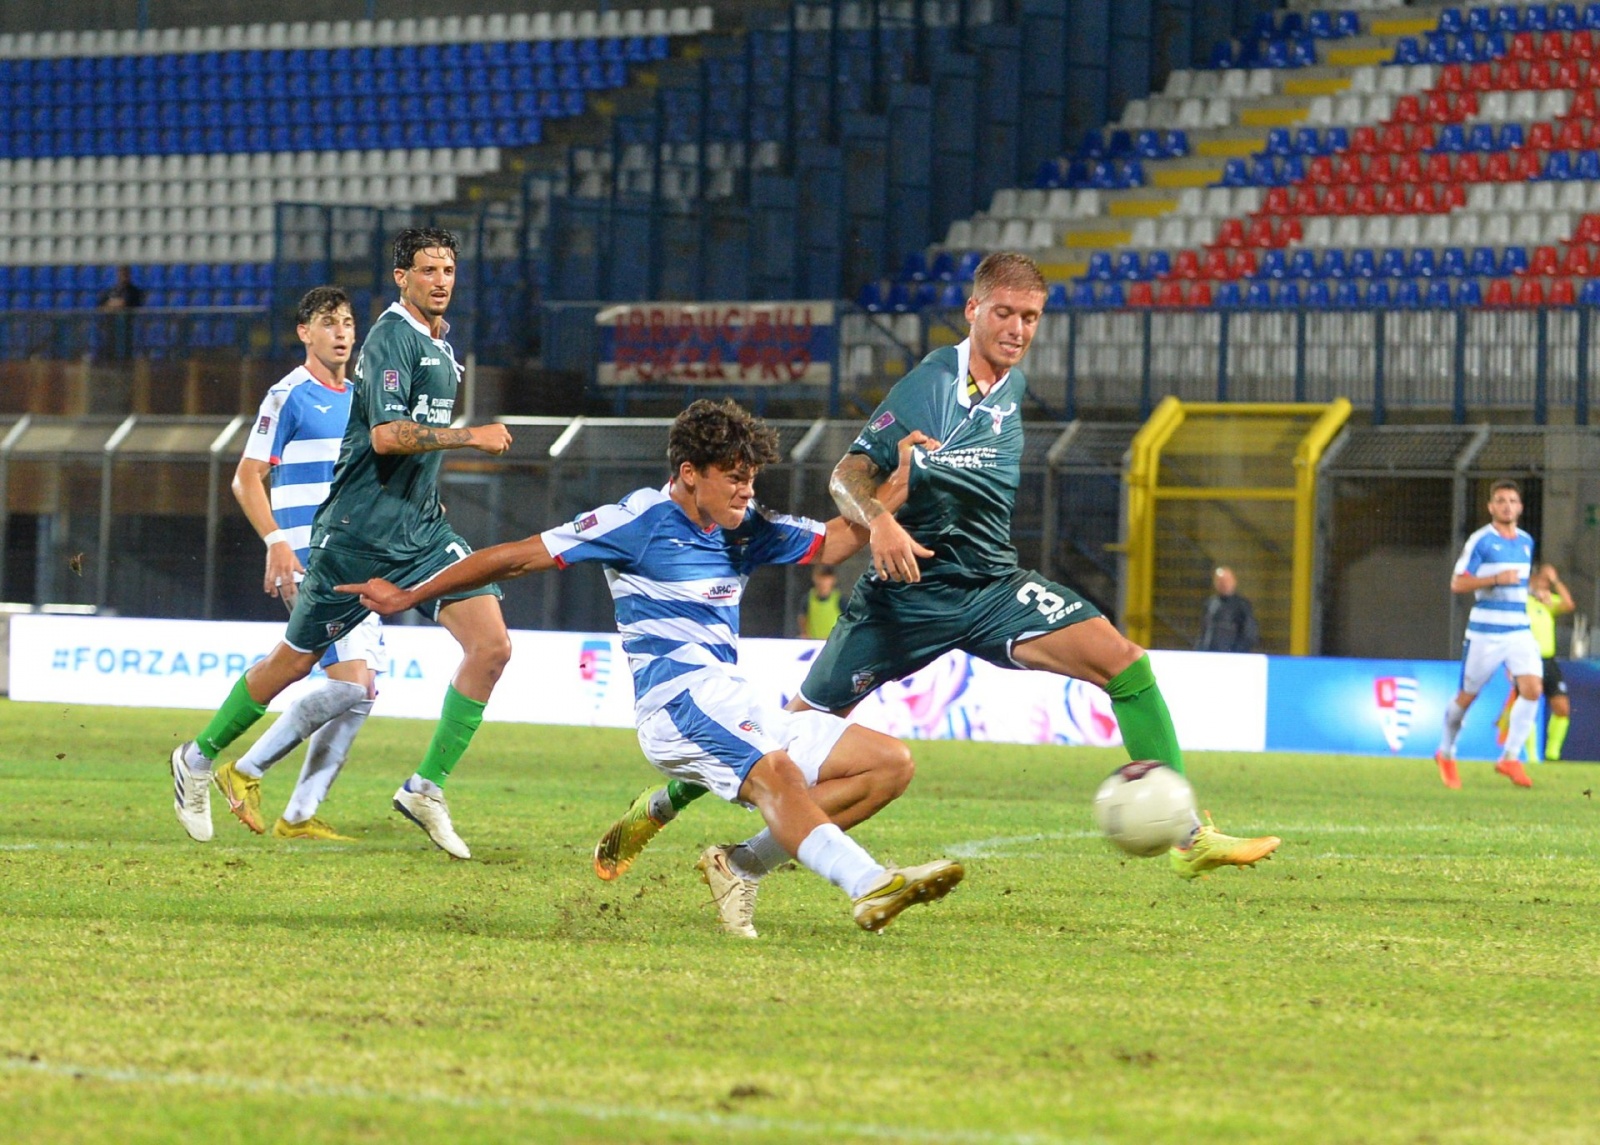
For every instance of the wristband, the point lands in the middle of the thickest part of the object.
(276, 537)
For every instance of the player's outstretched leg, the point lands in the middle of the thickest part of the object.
(329, 747)
(732, 894)
(1455, 714)
(1524, 711)
(878, 894)
(651, 810)
(1209, 849)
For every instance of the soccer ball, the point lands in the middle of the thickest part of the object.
(1145, 808)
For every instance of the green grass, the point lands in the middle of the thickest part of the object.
(1417, 965)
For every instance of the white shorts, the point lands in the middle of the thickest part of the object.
(714, 732)
(363, 642)
(1483, 653)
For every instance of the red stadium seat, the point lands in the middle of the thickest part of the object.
(1561, 293)
(1171, 294)
(1422, 136)
(1438, 108)
(1541, 137)
(1583, 106)
(1395, 201)
(1319, 172)
(1336, 201)
(1573, 75)
(1529, 165)
(1276, 202)
(1544, 261)
(1244, 265)
(1441, 168)
(1350, 170)
(1303, 201)
(1453, 199)
(1507, 75)
(1530, 292)
(1582, 46)
(1498, 168)
(1408, 169)
(1218, 265)
(1521, 47)
(1406, 110)
(1480, 77)
(1186, 265)
(1469, 168)
(1451, 78)
(1577, 262)
(1396, 140)
(1539, 78)
(1260, 233)
(1230, 233)
(1553, 46)
(1588, 230)
(1380, 169)
(1499, 292)
(1200, 294)
(1365, 200)
(1364, 141)
(1424, 201)
(1140, 294)
(1289, 231)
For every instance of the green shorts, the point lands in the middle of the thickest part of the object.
(321, 615)
(890, 630)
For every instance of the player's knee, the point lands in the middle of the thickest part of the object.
(493, 652)
(896, 768)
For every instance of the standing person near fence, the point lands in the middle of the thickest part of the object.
(382, 518)
(1494, 567)
(281, 480)
(1229, 623)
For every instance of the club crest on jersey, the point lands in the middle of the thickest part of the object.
(882, 422)
(264, 425)
(750, 726)
(334, 627)
(998, 415)
(861, 682)
(588, 522)
(391, 381)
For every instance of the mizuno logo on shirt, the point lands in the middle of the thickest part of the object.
(320, 409)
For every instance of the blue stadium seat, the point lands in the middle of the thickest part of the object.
(1128, 267)
(1453, 263)
(1535, 18)
(944, 267)
(1289, 295)
(1587, 167)
(1091, 146)
(1480, 21)
(1082, 293)
(968, 265)
(1099, 268)
(1505, 19)
(1363, 263)
(952, 297)
(1273, 265)
(1514, 261)
(1113, 296)
(1590, 294)
(1157, 264)
(1407, 51)
(1177, 144)
(871, 298)
(1308, 142)
(1317, 295)
(1558, 166)
(1227, 296)
(1452, 138)
(1469, 294)
(1055, 299)
(1422, 263)
(1258, 294)
(1591, 20)
(1263, 173)
(1439, 293)
(1408, 295)
(1235, 173)
(1303, 264)
(1333, 265)
(1378, 293)
(1279, 142)
(1481, 263)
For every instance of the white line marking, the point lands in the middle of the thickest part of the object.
(817, 1130)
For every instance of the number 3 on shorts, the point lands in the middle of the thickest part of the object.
(1048, 603)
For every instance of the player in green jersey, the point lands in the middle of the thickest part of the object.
(947, 572)
(382, 518)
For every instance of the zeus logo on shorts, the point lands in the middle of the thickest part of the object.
(1050, 604)
(391, 381)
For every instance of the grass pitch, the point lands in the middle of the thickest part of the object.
(1417, 965)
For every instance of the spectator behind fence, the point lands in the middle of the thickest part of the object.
(123, 294)
(1229, 624)
(822, 603)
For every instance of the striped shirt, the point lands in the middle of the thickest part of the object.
(298, 432)
(1500, 608)
(676, 587)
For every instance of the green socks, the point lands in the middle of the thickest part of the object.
(1141, 712)
(682, 794)
(1555, 734)
(235, 716)
(458, 720)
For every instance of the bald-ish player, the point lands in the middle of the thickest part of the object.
(1494, 567)
(382, 518)
(947, 573)
(281, 481)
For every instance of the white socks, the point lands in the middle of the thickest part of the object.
(195, 758)
(310, 712)
(661, 808)
(330, 745)
(758, 856)
(1523, 713)
(1454, 714)
(840, 859)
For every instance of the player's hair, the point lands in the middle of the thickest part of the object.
(720, 433)
(409, 241)
(321, 300)
(1007, 269)
(1505, 483)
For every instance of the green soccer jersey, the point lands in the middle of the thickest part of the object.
(960, 497)
(390, 503)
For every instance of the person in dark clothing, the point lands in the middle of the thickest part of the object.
(122, 294)
(115, 301)
(1230, 623)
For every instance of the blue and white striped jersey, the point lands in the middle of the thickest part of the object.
(298, 432)
(1503, 608)
(676, 588)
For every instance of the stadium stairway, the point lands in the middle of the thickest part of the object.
(1383, 157)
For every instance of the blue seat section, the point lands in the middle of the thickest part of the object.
(430, 95)
(179, 285)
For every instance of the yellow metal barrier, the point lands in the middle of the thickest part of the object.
(1220, 483)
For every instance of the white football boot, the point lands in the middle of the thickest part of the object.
(431, 814)
(191, 796)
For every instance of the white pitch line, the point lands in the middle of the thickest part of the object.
(817, 1130)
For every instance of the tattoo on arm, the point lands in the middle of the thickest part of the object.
(413, 438)
(855, 486)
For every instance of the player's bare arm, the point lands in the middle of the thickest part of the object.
(486, 566)
(844, 537)
(409, 437)
(1469, 582)
(250, 481)
(855, 487)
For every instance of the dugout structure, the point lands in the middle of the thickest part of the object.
(1211, 483)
